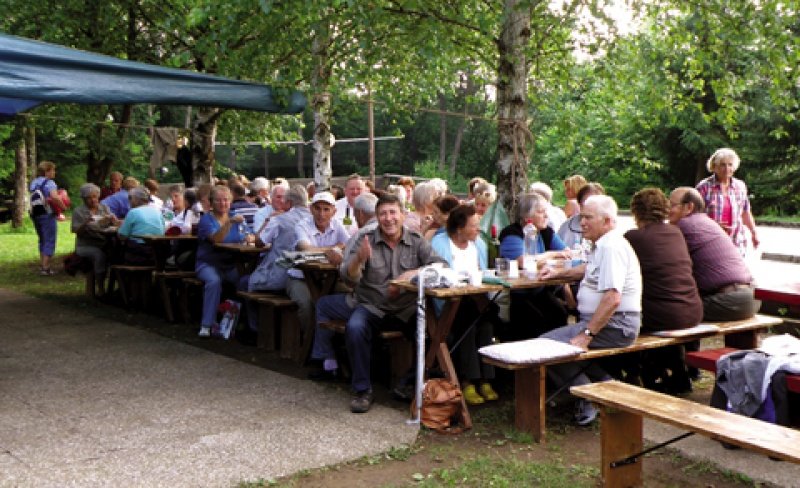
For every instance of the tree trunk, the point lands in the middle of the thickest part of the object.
(204, 132)
(30, 148)
(20, 176)
(321, 104)
(457, 147)
(442, 132)
(512, 104)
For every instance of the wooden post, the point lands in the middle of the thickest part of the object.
(529, 401)
(621, 436)
(371, 134)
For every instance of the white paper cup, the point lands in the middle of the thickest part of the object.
(476, 277)
(513, 269)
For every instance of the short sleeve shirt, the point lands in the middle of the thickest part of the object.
(612, 264)
(207, 254)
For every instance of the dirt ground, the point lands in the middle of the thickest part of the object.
(493, 434)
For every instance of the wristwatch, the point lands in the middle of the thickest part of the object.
(588, 333)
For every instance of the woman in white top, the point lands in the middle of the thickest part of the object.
(464, 251)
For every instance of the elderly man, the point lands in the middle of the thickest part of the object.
(345, 207)
(277, 205)
(322, 234)
(609, 298)
(280, 235)
(385, 253)
(365, 218)
(721, 274)
(118, 202)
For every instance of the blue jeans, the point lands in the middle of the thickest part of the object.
(358, 336)
(212, 291)
(47, 230)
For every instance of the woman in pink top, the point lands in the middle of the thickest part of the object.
(726, 198)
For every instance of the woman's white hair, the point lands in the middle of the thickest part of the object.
(543, 189)
(439, 184)
(424, 195)
(720, 155)
(529, 203)
(399, 191)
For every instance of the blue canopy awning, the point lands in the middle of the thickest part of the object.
(34, 72)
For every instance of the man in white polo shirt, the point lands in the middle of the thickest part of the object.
(609, 298)
(321, 233)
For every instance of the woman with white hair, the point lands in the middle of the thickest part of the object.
(536, 310)
(555, 216)
(484, 195)
(726, 198)
(141, 220)
(259, 191)
(88, 223)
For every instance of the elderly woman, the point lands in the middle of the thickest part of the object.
(419, 219)
(259, 191)
(572, 185)
(570, 231)
(483, 194)
(464, 251)
(536, 310)
(88, 223)
(555, 216)
(142, 219)
(726, 198)
(670, 299)
(44, 220)
(213, 266)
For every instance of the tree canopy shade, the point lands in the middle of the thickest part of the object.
(33, 72)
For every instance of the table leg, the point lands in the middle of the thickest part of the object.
(529, 401)
(621, 436)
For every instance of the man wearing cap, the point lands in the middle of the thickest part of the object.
(387, 252)
(345, 207)
(321, 233)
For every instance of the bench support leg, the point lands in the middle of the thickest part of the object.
(529, 401)
(621, 436)
(742, 340)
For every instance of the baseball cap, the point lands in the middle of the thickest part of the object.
(323, 196)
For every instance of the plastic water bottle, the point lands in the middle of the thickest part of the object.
(242, 232)
(531, 236)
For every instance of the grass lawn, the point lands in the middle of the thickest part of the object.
(19, 258)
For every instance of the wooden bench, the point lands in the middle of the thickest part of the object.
(529, 378)
(163, 280)
(275, 308)
(623, 407)
(133, 281)
(401, 351)
(707, 361)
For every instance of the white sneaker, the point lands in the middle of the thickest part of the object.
(205, 331)
(585, 413)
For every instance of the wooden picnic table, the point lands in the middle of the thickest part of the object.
(786, 292)
(439, 327)
(162, 246)
(245, 255)
(320, 276)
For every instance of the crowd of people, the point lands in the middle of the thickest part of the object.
(683, 262)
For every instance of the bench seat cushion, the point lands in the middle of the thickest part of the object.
(698, 329)
(531, 351)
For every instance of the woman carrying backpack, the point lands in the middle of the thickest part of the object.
(44, 200)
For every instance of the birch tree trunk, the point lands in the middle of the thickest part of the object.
(321, 104)
(512, 103)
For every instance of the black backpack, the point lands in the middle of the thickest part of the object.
(38, 202)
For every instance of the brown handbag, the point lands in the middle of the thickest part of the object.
(441, 402)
